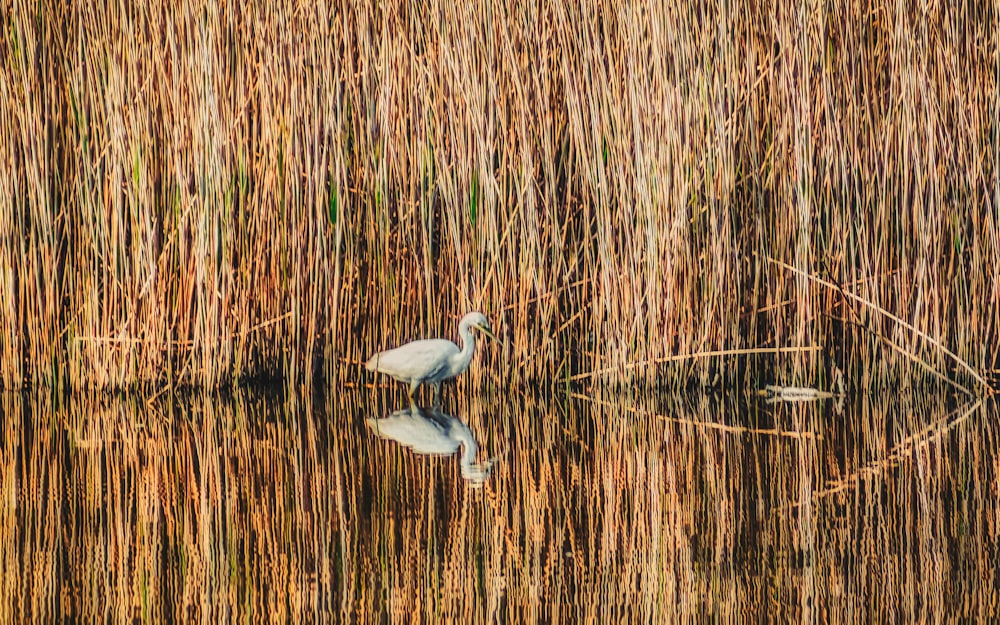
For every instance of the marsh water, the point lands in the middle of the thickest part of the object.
(349, 506)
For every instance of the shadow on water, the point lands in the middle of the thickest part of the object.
(256, 507)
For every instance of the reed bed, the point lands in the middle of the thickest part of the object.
(209, 195)
(248, 508)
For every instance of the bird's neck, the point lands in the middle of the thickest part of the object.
(473, 471)
(468, 345)
(469, 447)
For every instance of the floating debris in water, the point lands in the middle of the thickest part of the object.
(793, 393)
(775, 393)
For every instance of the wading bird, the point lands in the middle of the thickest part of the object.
(432, 360)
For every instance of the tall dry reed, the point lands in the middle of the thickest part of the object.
(205, 195)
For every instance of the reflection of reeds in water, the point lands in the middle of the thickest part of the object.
(169, 511)
(251, 508)
(208, 196)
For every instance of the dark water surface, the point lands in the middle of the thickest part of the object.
(255, 507)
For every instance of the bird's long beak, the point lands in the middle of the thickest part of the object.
(488, 333)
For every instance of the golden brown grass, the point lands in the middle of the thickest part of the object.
(204, 195)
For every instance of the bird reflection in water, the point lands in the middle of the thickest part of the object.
(431, 432)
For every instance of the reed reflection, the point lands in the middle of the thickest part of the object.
(259, 507)
(428, 431)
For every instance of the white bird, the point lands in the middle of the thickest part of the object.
(432, 360)
(431, 432)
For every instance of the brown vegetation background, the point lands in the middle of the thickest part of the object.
(204, 194)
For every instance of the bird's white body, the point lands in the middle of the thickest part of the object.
(431, 360)
(431, 432)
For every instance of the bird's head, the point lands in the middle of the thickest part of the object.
(478, 321)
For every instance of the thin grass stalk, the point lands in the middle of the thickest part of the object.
(366, 174)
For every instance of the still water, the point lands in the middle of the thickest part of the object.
(350, 506)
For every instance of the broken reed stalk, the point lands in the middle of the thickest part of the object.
(707, 425)
(885, 313)
(240, 334)
(717, 353)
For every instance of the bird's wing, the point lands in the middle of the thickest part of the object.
(417, 360)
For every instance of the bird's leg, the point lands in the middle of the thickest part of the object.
(437, 394)
(413, 401)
